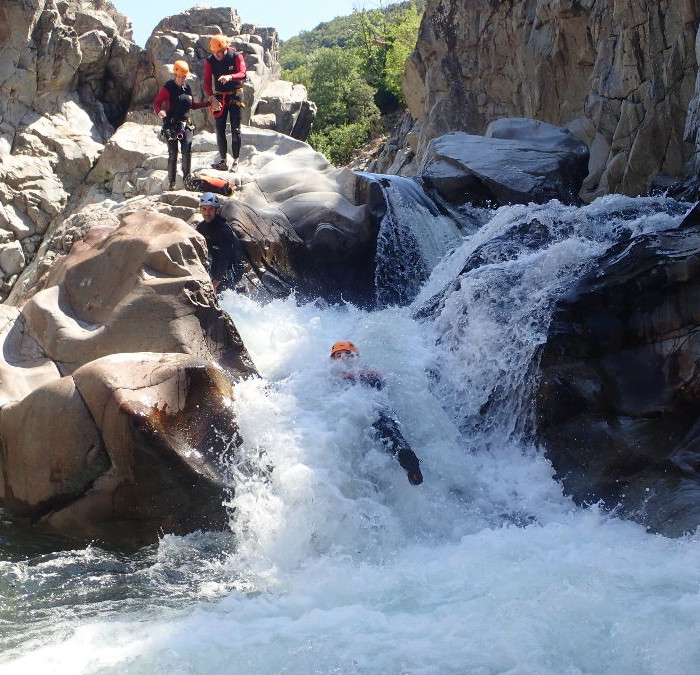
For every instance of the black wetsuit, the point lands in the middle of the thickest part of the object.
(389, 431)
(177, 125)
(229, 94)
(225, 250)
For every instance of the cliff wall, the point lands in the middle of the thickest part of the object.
(621, 75)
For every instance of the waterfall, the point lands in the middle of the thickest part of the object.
(413, 236)
(334, 563)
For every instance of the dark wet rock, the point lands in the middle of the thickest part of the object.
(618, 401)
(530, 235)
(272, 250)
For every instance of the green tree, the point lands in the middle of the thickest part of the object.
(402, 35)
(338, 88)
(338, 143)
(368, 38)
(347, 114)
(352, 68)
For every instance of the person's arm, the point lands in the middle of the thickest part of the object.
(206, 80)
(229, 251)
(206, 83)
(241, 69)
(219, 254)
(201, 104)
(372, 379)
(161, 103)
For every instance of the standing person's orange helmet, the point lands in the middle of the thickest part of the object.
(181, 68)
(218, 42)
(344, 347)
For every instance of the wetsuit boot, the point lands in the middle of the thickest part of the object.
(394, 442)
(410, 464)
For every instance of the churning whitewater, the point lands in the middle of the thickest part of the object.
(334, 562)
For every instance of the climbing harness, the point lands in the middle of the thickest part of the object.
(175, 131)
(229, 98)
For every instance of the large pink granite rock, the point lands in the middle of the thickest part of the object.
(116, 388)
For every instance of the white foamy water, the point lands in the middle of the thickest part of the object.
(335, 563)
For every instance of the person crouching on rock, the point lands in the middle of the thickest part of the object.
(173, 104)
(386, 426)
(225, 249)
(226, 69)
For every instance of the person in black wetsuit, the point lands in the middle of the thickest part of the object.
(225, 249)
(173, 104)
(386, 426)
(226, 70)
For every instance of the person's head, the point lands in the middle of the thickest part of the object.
(209, 205)
(218, 46)
(181, 70)
(344, 350)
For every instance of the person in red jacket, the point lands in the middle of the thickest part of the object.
(224, 74)
(387, 428)
(173, 104)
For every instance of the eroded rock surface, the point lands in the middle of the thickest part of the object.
(116, 388)
(285, 193)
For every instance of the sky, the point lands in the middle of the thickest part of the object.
(289, 17)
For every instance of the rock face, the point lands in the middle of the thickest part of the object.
(618, 394)
(70, 74)
(620, 75)
(66, 78)
(124, 343)
(270, 103)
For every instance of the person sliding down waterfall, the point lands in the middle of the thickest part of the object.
(227, 70)
(173, 104)
(385, 425)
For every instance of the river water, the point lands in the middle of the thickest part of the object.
(334, 563)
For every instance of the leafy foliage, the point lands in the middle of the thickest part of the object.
(352, 68)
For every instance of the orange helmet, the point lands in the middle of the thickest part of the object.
(339, 347)
(181, 68)
(218, 42)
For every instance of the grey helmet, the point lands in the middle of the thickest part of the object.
(210, 199)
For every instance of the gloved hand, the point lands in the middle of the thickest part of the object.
(410, 463)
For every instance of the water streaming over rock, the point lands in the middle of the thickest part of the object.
(413, 237)
(334, 563)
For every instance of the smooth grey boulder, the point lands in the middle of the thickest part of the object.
(517, 161)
